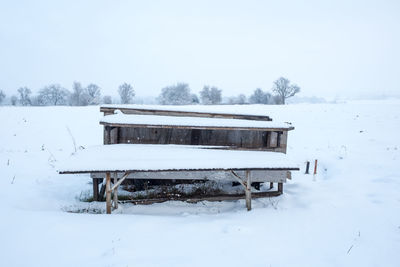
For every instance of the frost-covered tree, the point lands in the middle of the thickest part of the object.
(239, 100)
(178, 94)
(53, 94)
(210, 96)
(78, 95)
(284, 89)
(93, 93)
(276, 99)
(14, 100)
(2, 96)
(126, 93)
(195, 99)
(107, 99)
(24, 96)
(260, 97)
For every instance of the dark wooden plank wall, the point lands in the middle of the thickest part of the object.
(233, 138)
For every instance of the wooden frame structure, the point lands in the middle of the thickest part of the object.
(244, 176)
(267, 137)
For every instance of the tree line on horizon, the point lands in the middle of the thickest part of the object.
(177, 94)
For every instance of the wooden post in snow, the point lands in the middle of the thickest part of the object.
(280, 188)
(308, 168)
(95, 189)
(315, 167)
(108, 193)
(248, 190)
(115, 191)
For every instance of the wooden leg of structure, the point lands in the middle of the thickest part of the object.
(115, 192)
(108, 193)
(280, 188)
(95, 189)
(248, 190)
(271, 185)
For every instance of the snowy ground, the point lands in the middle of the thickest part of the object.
(348, 215)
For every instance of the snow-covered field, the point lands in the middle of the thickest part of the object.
(348, 215)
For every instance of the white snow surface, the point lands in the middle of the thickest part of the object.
(347, 215)
(137, 157)
(156, 120)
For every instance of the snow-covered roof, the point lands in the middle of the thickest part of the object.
(132, 157)
(214, 109)
(192, 122)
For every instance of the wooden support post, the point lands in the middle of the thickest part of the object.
(115, 192)
(307, 167)
(108, 193)
(95, 189)
(248, 190)
(271, 185)
(107, 135)
(102, 189)
(278, 139)
(315, 167)
(280, 188)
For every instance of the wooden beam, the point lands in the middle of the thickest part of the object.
(238, 178)
(248, 190)
(280, 188)
(115, 200)
(217, 198)
(116, 184)
(95, 189)
(179, 170)
(177, 113)
(191, 127)
(108, 193)
(102, 189)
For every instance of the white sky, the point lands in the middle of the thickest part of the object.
(334, 48)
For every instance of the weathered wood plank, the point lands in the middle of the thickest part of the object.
(95, 189)
(248, 190)
(219, 197)
(117, 183)
(108, 193)
(236, 139)
(280, 187)
(138, 111)
(115, 197)
(160, 126)
(256, 175)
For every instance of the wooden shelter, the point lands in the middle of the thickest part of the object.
(247, 141)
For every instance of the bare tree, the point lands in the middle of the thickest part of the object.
(284, 89)
(239, 100)
(195, 99)
(2, 96)
(178, 94)
(78, 95)
(14, 100)
(126, 93)
(53, 94)
(93, 93)
(24, 96)
(107, 99)
(210, 96)
(260, 97)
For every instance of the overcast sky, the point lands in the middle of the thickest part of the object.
(329, 48)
